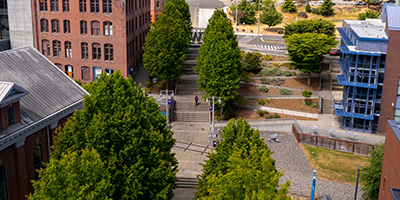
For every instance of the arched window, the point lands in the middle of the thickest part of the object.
(108, 52)
(158, 4)
(37, 159)
(95, 27)
(58, 65)
(68, 49)
(85, 71)
(46, 47)
(3, 184)
(83, 27)
(84, 51)
(55, 26)
(108, 29)
(44, 25)
(96, 51)
(11, 116)
(69, 70)
(56, 48)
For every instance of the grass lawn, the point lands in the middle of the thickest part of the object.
(334, 165)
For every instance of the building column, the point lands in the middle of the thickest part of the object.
(22, 172)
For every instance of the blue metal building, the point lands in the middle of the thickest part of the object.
(363, 60)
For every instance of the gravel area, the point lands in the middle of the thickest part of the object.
(290, 158)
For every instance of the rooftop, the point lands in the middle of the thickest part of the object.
(395, 128)
(393, 17)
(368, 28)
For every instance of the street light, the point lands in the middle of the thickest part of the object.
(212, 110)
(167, 102)
(258, 34)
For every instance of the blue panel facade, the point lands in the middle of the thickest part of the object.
(362, 80)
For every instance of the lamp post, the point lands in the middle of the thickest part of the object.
(167, 102)
(212, 110)
(258, 34)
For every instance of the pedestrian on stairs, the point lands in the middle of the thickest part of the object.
(196, 99)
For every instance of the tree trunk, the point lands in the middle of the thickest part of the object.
(309, 79)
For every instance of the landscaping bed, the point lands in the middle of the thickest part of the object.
(290, 104)
(296, 83)
(251, 114)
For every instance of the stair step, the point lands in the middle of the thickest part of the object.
(190, 106)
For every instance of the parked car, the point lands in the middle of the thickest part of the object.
(334, 52)
(360, 3)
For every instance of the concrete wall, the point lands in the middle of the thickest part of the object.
(20, 22)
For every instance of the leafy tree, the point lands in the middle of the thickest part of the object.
(307, 51)
(252, 62)
(370, 175)
(241, 167)
(167, 44)
(124, 125)
(308, 8)
(326, 8)
(271, 17)
(310, 26)
(183, 8)
(219, 66)
(246, 12)
(289, 6)
(368, 14)
(73, 176)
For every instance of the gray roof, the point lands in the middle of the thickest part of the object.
(5, 88)
(393, 17)
(50, 89)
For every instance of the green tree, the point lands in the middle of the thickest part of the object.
(183, 8)
(252, 62)
(370, 175)
(289, 6)
(368, 14)
(246, 12)
(73, 176)
(308, 8)
(271, 17)
(326, 8)
(167, 44)
(310, 26)
(124, 125)
(219, 66)
(241, 167)
(307, 50)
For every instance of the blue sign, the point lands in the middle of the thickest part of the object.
(211, 108)
(169, 101)
(214, 144)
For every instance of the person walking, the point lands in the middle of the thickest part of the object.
(196, 99)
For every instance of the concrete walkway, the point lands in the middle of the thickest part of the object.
(289, 112)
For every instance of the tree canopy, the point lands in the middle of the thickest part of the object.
(310, 26)
(289, 6)
(246, 12)
(241, 167)
(326, 8)
(168, 41)
(219, 61)
(252, 62)
(271, 16)
(307, 50)
(370, 175)
(124, 125)
(73, 176)
(368, 14)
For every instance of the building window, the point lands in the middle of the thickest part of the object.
(55, 26)
(84, 50)
(85, 71)
(96, 73)
(37, 159)
(43, 5)
(69, 70)
(54, 5)
(68, 49)
(83, 27)
(108, 71)
(11, 116)
(96, 51)
(95, 28)
(58, 65)
(56, 48)
(46, 47)
(108, 29)
(107, 6)
(3, 183)
(94, 6)
(82, 5)
(108, 52)
(65, 5)
(67, 26)
(158, 4)
(44, 25)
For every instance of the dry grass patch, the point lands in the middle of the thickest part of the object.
(334, 165)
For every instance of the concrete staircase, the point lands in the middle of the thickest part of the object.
(327, 106)
(185, 107)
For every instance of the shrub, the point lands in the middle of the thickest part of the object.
(266, 81)
(268, 116)
(285, 92)
(302, 15)
(268, 57)
(266, 71)
(276, 115)
(262, 112)
(306, 93)
(308, 8)
(263, 88)
(251, 62)
(304, 103)
(261, 102)
(313, 105)
(277, 72)
(280, 32)
(294, 74)
(287, 73)
(315, 11)
(368, 14)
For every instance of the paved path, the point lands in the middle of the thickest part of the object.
(289, 112)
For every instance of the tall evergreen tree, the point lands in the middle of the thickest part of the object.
(124, 125)
(310, 26)
(326, 8)
(241, 167)
(371, 174)
(219, 66)
(183, 8)
(167, 43)
(289, 6)
(271, 17)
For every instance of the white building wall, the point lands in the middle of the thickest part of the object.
(20, 22)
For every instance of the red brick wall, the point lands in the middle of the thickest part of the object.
(391, 80)
(390, 166)
(4, 115)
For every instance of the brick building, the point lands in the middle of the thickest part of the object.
(87, 37)
(156, 7)
(35, 98)
(390, 176)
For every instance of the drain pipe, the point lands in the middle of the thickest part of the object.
(48, 140)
